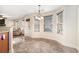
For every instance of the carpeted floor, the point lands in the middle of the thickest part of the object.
(42, 45)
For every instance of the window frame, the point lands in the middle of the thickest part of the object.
(60, 23)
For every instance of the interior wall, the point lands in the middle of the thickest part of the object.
(78, 28)
(9, 23)
(70, 26)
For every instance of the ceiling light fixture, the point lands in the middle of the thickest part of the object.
(39, 17)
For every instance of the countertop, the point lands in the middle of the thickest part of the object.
(4, 29)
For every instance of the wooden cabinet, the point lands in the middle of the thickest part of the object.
(4, 43)
(0, 45)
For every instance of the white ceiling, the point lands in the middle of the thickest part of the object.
(16, 11)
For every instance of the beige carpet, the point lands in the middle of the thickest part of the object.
(41, 45)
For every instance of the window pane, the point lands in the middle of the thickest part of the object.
(48, 23)
(37, 25)
(60, 22)
(60, 17)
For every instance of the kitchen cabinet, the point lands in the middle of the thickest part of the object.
(4, 42)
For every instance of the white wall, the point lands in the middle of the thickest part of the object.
(70, 26)
(9, 22)
(78, 28)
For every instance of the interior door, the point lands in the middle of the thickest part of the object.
(5, 43)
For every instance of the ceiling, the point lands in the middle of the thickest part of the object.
(16, 11)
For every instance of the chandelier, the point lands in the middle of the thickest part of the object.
(38, 16)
